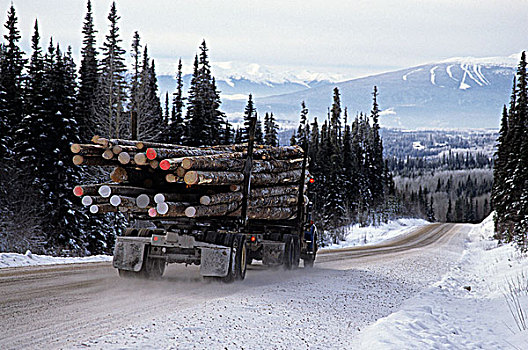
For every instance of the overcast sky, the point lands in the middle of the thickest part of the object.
(353, 37)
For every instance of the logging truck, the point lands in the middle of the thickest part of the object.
(235, 224)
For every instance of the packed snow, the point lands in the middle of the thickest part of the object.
(29, 259)
(467, 309)
(355, 235)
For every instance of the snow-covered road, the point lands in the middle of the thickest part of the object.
(328, 307)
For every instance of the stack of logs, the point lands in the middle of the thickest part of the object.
(166, 180)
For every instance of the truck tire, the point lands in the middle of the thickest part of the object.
(152, 268)
(238, 266)
(309, 261)
(296, 251)
(289, 254)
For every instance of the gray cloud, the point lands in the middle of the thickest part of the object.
(358, 36)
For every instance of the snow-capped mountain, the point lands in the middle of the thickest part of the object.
(454, 93)
(237, 80)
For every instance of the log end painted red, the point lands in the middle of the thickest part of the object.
(164, 164)
(151, 153)
(152, 212)
(78, 191)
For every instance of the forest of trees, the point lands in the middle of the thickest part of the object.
(510, 189)
(351, 182)
(47, 103)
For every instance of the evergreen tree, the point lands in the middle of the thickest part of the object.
(259, 135)
(204, 118)
(88, 78)
(249, 112)
(150, 119)
(111, 88)
(176, 132)
(11, 79)
(135, 93)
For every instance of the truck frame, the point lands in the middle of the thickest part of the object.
(222, 246)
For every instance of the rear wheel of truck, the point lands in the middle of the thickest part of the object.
(289, 255)
(238, 266)
(309, 261)
(296, 251)
(152, 268)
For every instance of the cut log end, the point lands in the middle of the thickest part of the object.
(87, 201)
(78, 159)
(108, 154)
(75, 148)
(191, 178)
(94, 209)
(124, 158)
(159, 198)
(142, 201)
(105, 191)
(162, 208)
(140, 159)
(78, 191)
(115, 200)
(152, 212)
(205, 200)
(151, 153)
(164, 165)
(190, 212)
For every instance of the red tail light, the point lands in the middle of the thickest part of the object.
(253, 239)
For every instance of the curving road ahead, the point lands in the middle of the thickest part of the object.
(64, 305)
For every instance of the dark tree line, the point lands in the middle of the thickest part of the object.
(510, 189)
(47, 103)
(351, 180)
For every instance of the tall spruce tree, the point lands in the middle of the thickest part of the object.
(111, 88)
(11, 80)
(271, 130)
(249, 113)
(176, 132)
(88, 78)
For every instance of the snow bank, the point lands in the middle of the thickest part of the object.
(29, 259)
(466, 309)
(356, 235)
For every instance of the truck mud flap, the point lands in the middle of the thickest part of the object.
(128, 255)
(272, 253)
(215, 261)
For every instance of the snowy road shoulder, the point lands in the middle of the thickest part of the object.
(29, 259)
(466, 309)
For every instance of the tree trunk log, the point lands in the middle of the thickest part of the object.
(106, 190)
(219, 198)
(274, 191)
(88, 160)
(211, 210)
(212, 178)
(287, 177)
(87, 149)
(176, 209)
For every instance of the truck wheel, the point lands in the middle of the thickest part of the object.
(296, 251)
(241, 258)
(238, 266)
(152, 268)
(288, 252)
(309, 262)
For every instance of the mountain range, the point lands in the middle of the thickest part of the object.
(454, 93)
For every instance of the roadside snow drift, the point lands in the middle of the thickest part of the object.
(467, 309)
(29, 259)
